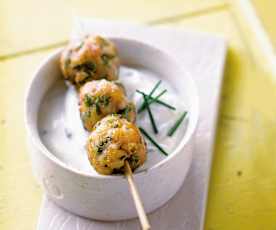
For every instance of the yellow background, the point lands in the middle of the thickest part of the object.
(243, 182)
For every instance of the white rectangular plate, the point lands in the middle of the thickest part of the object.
(203, 55)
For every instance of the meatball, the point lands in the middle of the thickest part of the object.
(91, 59)
(112, 141)
(100, 98)
(129, 112)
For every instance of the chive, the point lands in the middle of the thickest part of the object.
(152, 92)
(165, 104)
(150, 115)
(157, 101)
(176, 124)
(153, 141)
(153, 99)
(155, 87)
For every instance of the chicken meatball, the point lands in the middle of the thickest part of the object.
(100, 98)
(129, 112)
(91, 59)
(112, 141)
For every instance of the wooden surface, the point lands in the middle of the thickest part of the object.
(243, 183)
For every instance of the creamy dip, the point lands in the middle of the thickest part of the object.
(63, 135)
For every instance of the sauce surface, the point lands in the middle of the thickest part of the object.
(62, 132)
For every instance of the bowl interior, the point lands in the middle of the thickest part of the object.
(133, 54)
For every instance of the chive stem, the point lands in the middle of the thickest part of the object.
(165, 104)
(155, 88)
(156, 101)
(152, 92)
(150, 100)
(150, 115)
(153, 141)
(176, 124)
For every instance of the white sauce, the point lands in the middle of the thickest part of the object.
(62, 132)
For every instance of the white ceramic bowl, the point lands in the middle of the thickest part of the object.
(107, 197)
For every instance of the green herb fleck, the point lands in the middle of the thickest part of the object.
(102, 145)
(176, 124)
(104, 100)
(125, 112)
(88, 100)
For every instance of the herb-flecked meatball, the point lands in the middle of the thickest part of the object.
(91, 59)
(112, 141)
(100, 98)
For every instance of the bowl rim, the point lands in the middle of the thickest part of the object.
(37, 142)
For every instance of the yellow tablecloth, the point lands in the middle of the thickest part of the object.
(243, 182)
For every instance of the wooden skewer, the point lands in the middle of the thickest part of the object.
(136, 198)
